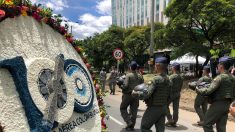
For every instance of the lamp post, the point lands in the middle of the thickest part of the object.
(151, 47)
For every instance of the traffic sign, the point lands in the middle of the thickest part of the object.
(118, 54)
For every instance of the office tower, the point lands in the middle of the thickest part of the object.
(127, 13)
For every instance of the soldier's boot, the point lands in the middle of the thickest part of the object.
(200, 123)
(129, 125)
(174, 124)
(169, 123)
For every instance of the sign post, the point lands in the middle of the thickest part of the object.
(118, 55)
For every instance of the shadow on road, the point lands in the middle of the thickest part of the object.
(196, 125)
(179, 127)
(135, 130)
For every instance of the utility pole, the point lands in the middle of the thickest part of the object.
(151, 47)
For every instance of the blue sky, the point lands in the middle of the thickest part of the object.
(86, 16)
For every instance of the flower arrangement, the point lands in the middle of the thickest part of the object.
(100, 100)
(14, 8)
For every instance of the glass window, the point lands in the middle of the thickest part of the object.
(157, 6)
(146, 6)
(138, 11)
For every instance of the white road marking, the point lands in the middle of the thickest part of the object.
(115, 120)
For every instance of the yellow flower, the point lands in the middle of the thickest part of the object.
(24, 13)
(8, 2)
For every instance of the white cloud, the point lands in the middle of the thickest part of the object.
(104, 7)
(89, 25)
(56, 5)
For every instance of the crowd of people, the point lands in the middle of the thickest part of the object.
(165, 89)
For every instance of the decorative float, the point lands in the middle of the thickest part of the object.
(45, 83)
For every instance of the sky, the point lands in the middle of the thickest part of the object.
(85, 16)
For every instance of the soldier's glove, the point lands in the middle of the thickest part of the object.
(192, 85)
(135, 94)
(232, 109)
(197, 90)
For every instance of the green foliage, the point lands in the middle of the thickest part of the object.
(212, 18)
(195, 25)
(134, 41)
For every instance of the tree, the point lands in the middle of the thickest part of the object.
(213, 19)
(195, 25)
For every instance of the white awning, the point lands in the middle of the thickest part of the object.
(188, 59)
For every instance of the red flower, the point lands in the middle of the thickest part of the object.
(24, 8)
(70, 39)
(36, 16)
(97, 88)
(88, 65)
(2, 13)
(62, 30)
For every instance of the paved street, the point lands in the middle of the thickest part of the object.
(186, 122)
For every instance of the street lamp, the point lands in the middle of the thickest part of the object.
(151, 47)
(152, 29)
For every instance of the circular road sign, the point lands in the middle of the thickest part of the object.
(118, 54)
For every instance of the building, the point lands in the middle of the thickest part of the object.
(127, 13)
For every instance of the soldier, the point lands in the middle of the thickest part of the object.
(131, 81)
(201, 102)
(221, 93)
(176, 85)
(156, 97)
(112, 80)
(103, 76)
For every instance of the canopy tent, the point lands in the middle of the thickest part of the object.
(188, 59)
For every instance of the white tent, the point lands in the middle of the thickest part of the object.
(188, 59)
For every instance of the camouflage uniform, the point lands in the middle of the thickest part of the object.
(103, 76)
(112, 81)
(176, 85)
(201, 102)
(157, 96)
(132, 79)
(221, 93)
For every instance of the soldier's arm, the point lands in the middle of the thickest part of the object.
(148, 92)
(126, 82)
(214, 85)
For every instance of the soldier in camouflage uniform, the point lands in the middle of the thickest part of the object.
(131, 81)
(156, 97)
(201, 102)
(112, 80)
(222, 93)
(176, 85)
(103, 77)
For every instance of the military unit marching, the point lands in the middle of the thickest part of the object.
(218, 93)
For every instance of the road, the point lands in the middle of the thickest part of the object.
(186, 123)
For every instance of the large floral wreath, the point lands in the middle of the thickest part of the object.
(14, 8)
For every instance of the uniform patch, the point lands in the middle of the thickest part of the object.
(149, 82)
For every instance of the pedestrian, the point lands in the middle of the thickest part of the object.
(156, 97)
(103, 76)
(133, 78)
(201, 103)
(176, 85)
(221, 93)
(112, 80)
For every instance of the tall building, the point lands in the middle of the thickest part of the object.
(127, 13)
